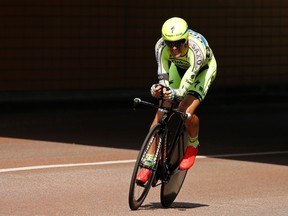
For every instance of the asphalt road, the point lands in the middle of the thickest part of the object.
(78, 160)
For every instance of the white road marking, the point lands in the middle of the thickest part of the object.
(125, 161)
(64, 165)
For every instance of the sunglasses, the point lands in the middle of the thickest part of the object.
(177, 43)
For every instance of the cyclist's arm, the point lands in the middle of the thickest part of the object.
(187, 80)
(197, 60)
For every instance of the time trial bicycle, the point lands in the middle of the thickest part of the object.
(171, 141)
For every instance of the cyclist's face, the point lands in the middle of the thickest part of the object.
(177, 48)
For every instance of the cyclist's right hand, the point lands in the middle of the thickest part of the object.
(156, 90)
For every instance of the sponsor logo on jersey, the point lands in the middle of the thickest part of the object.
(197, 53)
(180, 63)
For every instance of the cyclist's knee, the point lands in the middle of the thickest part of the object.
(192, 122)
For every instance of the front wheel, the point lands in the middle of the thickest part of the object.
(138, 191)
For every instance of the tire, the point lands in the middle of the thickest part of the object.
(137, 191)
(171, 188)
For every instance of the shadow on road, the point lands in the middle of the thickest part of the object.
(181, 206)
(224, 129)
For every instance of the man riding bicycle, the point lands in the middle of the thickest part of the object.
(186, 69)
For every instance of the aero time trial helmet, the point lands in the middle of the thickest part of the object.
(175, 29)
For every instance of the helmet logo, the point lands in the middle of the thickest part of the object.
(172, 29)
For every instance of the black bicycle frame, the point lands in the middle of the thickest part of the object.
(167, 146)
(165, 170)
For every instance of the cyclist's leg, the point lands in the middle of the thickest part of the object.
(197, 93)
(189, 105)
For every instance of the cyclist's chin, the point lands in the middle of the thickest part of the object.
(176, 54)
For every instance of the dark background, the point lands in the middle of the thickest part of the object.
(73, 45)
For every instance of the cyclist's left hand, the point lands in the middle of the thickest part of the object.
(169, 94)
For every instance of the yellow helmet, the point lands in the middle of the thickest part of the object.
(175, 29)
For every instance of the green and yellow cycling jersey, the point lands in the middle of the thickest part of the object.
(192, 73)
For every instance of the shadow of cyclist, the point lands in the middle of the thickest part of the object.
(181, 206)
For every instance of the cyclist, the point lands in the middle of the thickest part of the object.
(186, 69)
